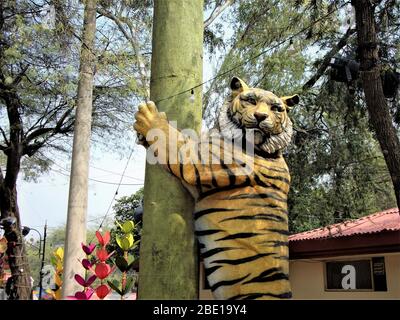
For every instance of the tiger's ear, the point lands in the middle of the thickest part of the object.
(290, 101)
(237, 86)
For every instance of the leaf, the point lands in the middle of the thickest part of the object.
(102, 291)
(121, 263)
(125, 242)
(53, 261)
(128, 226)
(115, 286)
(86, 264)
(102, 270)
(131, 259)
(90, 280)
(80, 280)
(102, 254)
(128, 286)
(59, 253)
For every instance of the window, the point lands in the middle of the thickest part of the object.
(356, 275)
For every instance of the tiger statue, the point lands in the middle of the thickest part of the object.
(241, 217)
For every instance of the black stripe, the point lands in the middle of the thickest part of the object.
(169, 167)
(275, 178)
(227, 282)
(275, 169)
(181, 167)
(256, 196)
(226, 188)
(198, 180)
(208, 271)
(213, 180)
(268, 278)
(275, 243)
(267, 205)
(285, 295)
(201, 213)
(200, 233)
(231, 175)
(280, 231)
(265, 185)
(258, 216)
(282, 258)
(211, 252)
(236, 262)
(240, 236)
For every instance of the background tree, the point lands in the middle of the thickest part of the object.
(128, 209)
(38, 77)
(338, 171)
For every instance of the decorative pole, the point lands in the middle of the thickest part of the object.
(168, 253)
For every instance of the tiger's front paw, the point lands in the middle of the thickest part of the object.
(147, 118)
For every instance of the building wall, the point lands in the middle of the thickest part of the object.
(307, 278)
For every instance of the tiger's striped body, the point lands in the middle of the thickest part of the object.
(242, 231)
(240, 214)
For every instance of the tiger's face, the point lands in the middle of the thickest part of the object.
(260, 112)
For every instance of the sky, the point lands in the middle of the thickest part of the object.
(48, 198)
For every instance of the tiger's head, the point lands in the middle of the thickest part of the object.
(260, 112)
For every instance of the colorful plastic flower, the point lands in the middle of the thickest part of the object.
(88, 248)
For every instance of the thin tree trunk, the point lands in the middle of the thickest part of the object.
(78, 190)
(168, 253)
(16, 254)
(378, 109)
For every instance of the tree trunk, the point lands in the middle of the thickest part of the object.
(377, 106)
(168, 253)
(78, 189)
(16, 254)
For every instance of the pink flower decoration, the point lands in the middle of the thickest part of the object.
(102, 291)
(83, 282)
(103, 255)
(87, 264)
(88, 248)
(82, 295)
(102, 270)
(105, 239)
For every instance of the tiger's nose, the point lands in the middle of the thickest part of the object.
(260, 116)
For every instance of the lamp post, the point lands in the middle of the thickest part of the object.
(25, 232)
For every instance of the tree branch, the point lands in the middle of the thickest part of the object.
(4, 136)
(42, 131)
(216, 12)
(133, 43)
(325, 62)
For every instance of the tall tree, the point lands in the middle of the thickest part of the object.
(78, 189)
(168, 263)
(370, 69)
(39, 55)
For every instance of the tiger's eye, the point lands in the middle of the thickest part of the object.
(276, 107)
(252, 101)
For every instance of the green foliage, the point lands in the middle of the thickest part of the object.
(337, 169)
(124, 210)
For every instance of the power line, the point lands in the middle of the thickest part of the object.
(92, 179)
(101, 181)
(115, 194)
(255, 56)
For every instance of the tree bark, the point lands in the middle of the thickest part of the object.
(78, 190)
(168, 253)
(378, 109)
(17, 259)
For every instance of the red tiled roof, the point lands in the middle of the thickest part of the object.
(388, 220)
